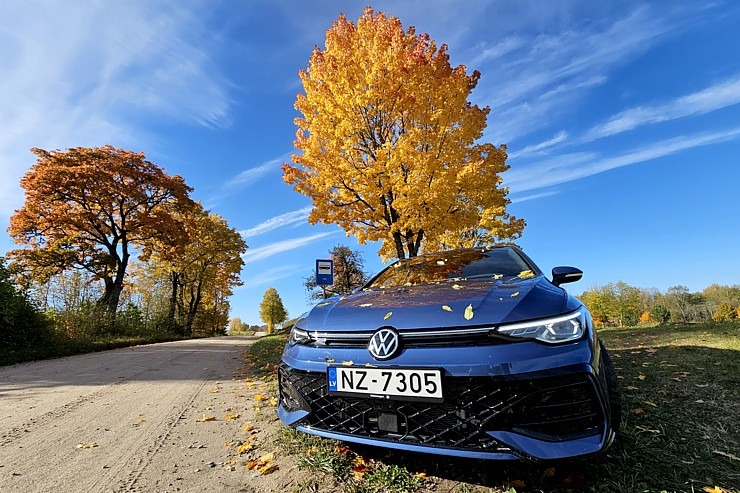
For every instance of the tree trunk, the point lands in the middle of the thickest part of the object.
(400, 251)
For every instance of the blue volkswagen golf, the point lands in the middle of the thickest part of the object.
(471, 353)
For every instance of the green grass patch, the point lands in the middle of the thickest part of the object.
(265, 353)
(70, 347)
(680, 430)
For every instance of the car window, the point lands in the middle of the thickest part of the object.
(456, 264)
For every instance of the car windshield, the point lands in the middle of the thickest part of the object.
(458, 264)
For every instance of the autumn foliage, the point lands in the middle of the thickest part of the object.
(388, 142)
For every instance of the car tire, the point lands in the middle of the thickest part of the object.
(612, 386)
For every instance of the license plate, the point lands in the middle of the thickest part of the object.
(420, 384)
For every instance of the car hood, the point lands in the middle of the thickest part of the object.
(442, 304)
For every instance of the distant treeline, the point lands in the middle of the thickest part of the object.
(619, 304)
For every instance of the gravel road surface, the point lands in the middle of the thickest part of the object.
(126, 420)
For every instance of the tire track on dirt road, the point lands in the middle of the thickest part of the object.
(127, 411)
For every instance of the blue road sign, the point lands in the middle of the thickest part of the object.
(324, 272)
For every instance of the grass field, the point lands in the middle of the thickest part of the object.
(680, 431)
(69, 347)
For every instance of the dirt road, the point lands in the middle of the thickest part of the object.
(128, 420)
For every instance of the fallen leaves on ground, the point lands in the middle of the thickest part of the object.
(715, 489)
(260, 398)
(245, 447)
(205, 418)
(231, 416)
(264, 465)
(359, 467)
(517, 484)
(87, 445)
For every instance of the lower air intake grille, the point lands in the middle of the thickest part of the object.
(551, 408)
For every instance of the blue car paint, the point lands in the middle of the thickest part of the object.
(494, 302)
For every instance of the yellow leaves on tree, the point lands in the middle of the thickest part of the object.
(387, 142)
(272, 310)
(87, 208)
(201, 272)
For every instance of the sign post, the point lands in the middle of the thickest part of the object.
(324, 273)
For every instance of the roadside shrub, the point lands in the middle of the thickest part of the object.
(21, 324)
(724, 313)
(660, 314)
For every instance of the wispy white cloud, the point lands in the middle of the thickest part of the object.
(574, 166)
(712, 98)
(87, 74)
(498, 50)
(538, 148)
(549, 75)
(275, 222)
(274, 274)
(254, 254)
(252, 175)
(534, 196)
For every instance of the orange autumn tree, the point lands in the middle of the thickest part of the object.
(88, 208)
(389, 146)
(202, 273)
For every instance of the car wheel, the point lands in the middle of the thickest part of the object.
(612, 385)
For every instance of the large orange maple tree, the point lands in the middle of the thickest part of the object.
(89, 208)
(389, 143)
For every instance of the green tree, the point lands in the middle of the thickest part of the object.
(21, 325)
(272, 311)
(348, 273)
(660, 314)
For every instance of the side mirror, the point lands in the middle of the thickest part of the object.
(561, 275)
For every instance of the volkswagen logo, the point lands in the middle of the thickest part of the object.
(384, 344)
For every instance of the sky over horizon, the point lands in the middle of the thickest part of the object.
(622, 121)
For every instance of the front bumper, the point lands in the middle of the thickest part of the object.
(489, 412)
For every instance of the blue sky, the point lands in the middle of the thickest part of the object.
(622, 120)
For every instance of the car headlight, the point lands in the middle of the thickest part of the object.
(299, 336)
(552, 330)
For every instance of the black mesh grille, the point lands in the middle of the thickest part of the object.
(551, 408)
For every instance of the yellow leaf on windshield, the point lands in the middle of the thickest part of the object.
(387, 315)
(515, 294)
(526, 274)
(446, 308)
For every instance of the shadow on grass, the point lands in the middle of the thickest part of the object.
(680, 428)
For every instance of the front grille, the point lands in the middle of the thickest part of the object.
(447, 336)
(550, 408)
